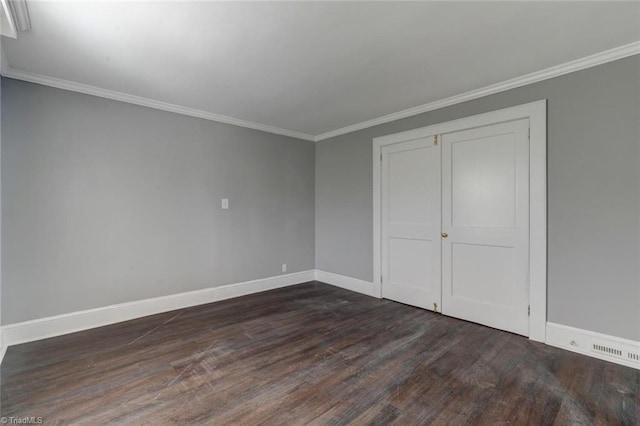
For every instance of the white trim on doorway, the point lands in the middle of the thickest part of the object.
(536, 112)
(600, 58)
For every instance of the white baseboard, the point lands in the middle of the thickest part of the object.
(609, 348)
(3, 347)
(602, 346)
(28, 331)
(348, 283)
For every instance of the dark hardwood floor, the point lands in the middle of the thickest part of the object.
(310, 354)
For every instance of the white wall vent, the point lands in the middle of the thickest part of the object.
(606, 350)
(612, 351)
(602, 346)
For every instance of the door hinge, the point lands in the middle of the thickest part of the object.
(529, 133)
(380, 156)
(529, 310)
(381, 278)
(435, 139)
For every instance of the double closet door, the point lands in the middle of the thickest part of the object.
(455, 224)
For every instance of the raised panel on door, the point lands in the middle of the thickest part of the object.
(411, 223)
(485, 215)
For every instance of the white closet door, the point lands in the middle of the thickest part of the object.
(411, 271)
(485, 225)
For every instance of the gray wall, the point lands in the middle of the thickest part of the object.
(105, 202)
(593, 194)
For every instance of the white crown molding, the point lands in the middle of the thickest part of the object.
(8, 71)
(548, 73)
(7, 21)
(20, 14)
(555, 71)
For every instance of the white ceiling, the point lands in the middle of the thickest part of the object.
(305, 66)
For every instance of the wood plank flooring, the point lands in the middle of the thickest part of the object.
(310, 354)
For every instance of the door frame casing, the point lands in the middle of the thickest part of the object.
(536, 112)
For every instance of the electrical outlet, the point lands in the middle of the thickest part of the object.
(284, 267)
(225, 204)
